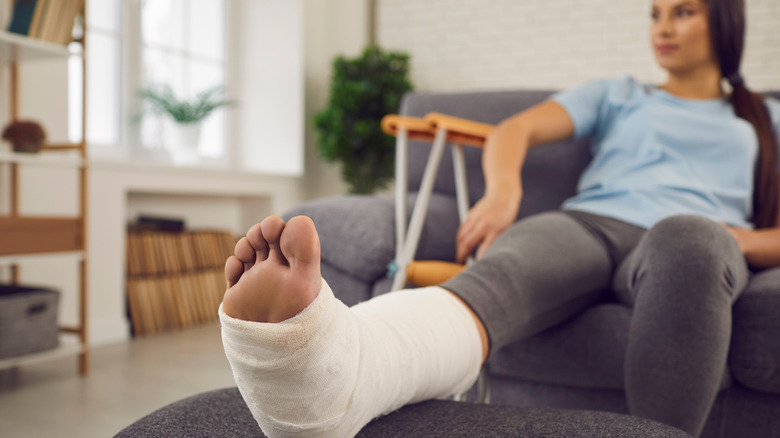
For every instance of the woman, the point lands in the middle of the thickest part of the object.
(682, 194)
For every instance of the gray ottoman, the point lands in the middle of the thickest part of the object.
(222, 413)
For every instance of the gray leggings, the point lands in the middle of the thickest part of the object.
(681, 278)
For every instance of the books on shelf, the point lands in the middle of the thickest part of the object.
(175, 279)
(48, 20)
(22, 16)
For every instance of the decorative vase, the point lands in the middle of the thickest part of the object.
(183, 145)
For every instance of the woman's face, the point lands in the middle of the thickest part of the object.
(680, 35)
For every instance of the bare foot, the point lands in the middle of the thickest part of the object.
(275, 272)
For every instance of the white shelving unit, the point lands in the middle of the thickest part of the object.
(19, 48)
(9, 260)
(49, 159)
(69, 346)
(26, 238)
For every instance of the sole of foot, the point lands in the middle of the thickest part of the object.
(275, 271)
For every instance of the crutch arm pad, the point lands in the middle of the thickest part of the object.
(417, 128)
(460, 131)
(431, 272)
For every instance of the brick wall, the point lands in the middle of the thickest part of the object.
(503, 44)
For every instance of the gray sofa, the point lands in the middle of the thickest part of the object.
(579, 364)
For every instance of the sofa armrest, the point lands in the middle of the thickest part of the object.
(357, 233)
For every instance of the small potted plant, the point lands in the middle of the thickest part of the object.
(25, 135)
(186, 114)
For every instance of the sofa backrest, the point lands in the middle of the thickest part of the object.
(551, 172)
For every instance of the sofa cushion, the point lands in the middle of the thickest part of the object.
(755, 342)
(587, 351)
(357, 233)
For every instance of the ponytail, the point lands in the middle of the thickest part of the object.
(751, 107)
(727, 33)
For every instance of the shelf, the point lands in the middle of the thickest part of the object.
(15, 47)
(36, 235)
(51, 256)
(46, 158)
(69, 346)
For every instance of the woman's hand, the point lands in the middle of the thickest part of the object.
(761, 247)
(489, 217)
(740, 235)
(502, 160)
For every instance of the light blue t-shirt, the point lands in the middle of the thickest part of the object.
(657, 155)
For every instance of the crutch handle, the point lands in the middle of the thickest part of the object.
(416, 128)
(431, 272)
(460, 131)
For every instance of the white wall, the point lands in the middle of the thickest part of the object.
(332, 27)
(270, 79)
(505, 44)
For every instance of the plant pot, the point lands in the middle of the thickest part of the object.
(183, 145)
(26, 136)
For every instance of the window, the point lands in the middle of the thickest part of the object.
(137, 43)
(183, 46)
(103, 52)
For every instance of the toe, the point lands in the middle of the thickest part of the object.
(245, 251)
(259, 246)
(299, 242)
(234, 268)
(272, 228)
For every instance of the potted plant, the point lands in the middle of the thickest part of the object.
(362, 91)
(187, 116)
(25, 135)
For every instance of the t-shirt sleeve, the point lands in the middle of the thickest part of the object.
(583, 103)
(774, 115)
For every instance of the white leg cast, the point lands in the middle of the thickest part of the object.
(329, 370)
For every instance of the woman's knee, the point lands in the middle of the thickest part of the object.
(688, 238)
(693, 248)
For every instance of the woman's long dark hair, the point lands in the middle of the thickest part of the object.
(727, 31)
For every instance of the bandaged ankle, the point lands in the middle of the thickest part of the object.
(330, 369)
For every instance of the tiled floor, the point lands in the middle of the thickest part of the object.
(127, 381)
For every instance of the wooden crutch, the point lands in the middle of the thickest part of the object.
(440, 129)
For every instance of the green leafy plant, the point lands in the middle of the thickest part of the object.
(161, 99)
(362, 91)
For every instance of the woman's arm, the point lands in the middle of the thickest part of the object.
(502, 160)
(760, 247)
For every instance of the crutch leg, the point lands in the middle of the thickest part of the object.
(420, 209)
(401, 190)
(461, 192)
